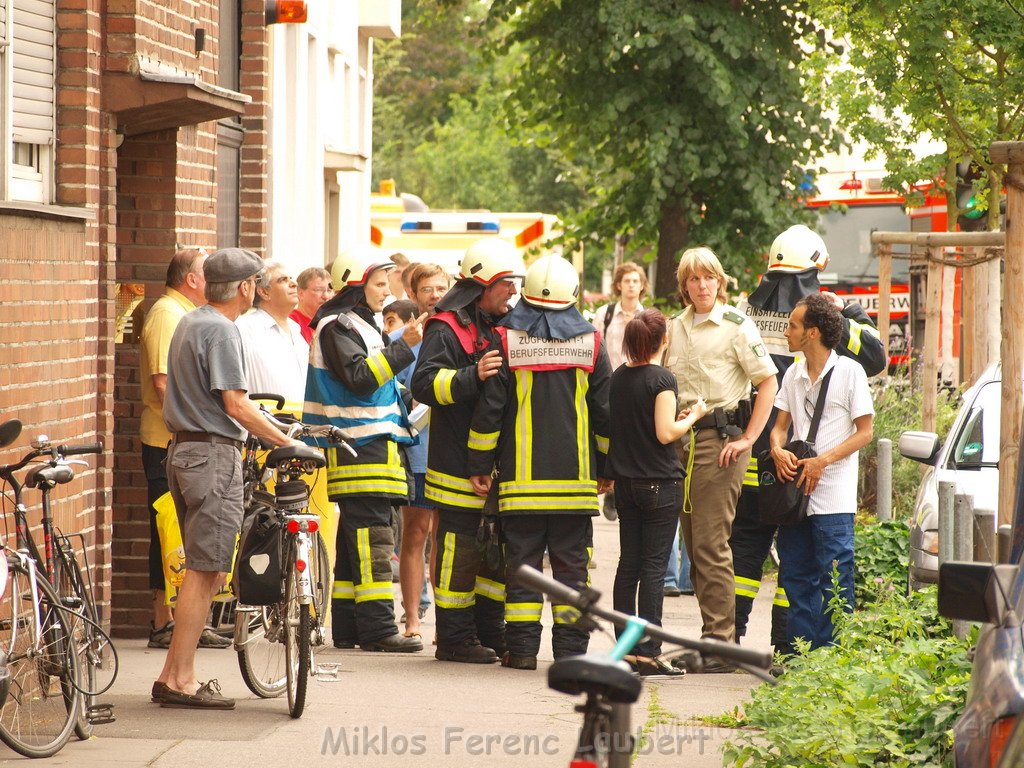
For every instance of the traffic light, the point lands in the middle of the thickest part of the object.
(972, 209)
(285, 12)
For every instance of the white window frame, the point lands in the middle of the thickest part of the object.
(32, 182)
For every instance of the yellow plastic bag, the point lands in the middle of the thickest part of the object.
(172, 552)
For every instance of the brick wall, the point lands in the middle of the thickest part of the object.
(166, 198)
(255, 177)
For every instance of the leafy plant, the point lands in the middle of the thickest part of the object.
(886, 694)
(881, 557)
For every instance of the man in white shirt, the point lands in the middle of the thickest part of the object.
(276, 355)
(824, 539)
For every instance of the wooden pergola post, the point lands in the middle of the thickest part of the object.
(1011, 351)
(884, 296)
(932, 312)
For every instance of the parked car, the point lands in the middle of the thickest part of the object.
(969, 458)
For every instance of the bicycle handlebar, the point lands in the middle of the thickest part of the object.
(268, 396)
(331, 433)
(533, 579)
(77, 450)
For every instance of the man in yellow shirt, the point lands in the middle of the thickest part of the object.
(184, 292)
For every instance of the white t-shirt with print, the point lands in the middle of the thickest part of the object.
(848, 398)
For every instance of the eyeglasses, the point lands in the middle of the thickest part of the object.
(430, 290)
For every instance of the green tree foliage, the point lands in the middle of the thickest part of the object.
(954, 70)
(689, 117)
(440, 123)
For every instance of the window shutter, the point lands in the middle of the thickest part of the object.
(33, 60)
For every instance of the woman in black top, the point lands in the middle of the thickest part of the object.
(648, 476)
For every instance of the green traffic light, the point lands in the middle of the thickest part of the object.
(971, 210)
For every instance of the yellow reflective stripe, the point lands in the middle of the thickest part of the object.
(482, 441)
(443, 386)
(375, 590)
(449, 481)
(492, 590)
(452, 500)
(687, 503)
(582, 423)
(385, 487)
(367, 470)
(524, 424)
(343, 590)
(602, 443)
(547, 503)
(380, 368)
(747, 587)
(780, 598)
(523, 611)
(365, 555)
(854, 343)
(444, 598)
(444, 578)
(550, 486)
(590, 559)
(564, 614)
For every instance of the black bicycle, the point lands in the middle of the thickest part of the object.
(59, 657)
(605, 740)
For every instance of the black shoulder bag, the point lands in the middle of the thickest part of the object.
(780, 502)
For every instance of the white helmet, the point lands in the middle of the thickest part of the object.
(354, 265)
(491, 259)
(797, 249)
(551, 283)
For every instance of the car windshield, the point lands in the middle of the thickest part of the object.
(977, 443)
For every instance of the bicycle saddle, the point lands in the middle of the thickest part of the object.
(44, 474)
(300, 452)
(595, 674)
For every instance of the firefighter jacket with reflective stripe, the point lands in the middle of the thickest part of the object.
(351, 384)
(545, 427)
(446, 379)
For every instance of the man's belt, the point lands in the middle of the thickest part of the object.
(206, 437)
(726, 422)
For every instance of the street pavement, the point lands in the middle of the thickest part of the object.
(383, 710)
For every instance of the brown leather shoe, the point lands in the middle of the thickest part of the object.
(157, 694)
(207, 697)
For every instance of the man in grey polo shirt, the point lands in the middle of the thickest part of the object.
(208, 413)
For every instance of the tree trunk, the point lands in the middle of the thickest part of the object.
(673, 230)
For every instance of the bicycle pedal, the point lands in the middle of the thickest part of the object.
(100, 714)
(327, 673)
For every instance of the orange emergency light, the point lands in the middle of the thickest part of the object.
(286, 12)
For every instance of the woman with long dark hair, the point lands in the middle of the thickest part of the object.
(648, 476)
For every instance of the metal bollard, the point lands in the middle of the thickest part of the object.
(985, 536)
(963, 544)
(1005, 542)
(883, 497)
(946, 491)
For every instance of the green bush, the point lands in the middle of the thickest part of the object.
(898, 409)
(886, 694)
(881, 557)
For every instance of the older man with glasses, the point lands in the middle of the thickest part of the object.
(314, 288)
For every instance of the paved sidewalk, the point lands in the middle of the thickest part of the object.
(385, 710)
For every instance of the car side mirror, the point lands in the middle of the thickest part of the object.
(976, 591)
(919, 446)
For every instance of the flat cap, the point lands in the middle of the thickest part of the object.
(230, 264)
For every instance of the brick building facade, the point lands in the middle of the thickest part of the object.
(133, 127)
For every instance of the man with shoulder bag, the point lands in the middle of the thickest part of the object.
(823, 540)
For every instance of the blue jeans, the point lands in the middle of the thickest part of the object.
(809, 551)
(678, 573)
(648, 517)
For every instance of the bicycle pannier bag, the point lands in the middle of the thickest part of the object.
(258, 570)
(780, 502)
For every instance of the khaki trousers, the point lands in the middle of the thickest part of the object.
(711, 501)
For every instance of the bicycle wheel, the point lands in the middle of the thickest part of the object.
(259, 638)
(97, 659)
(296, 640)
(604, 738)
(42, 705)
